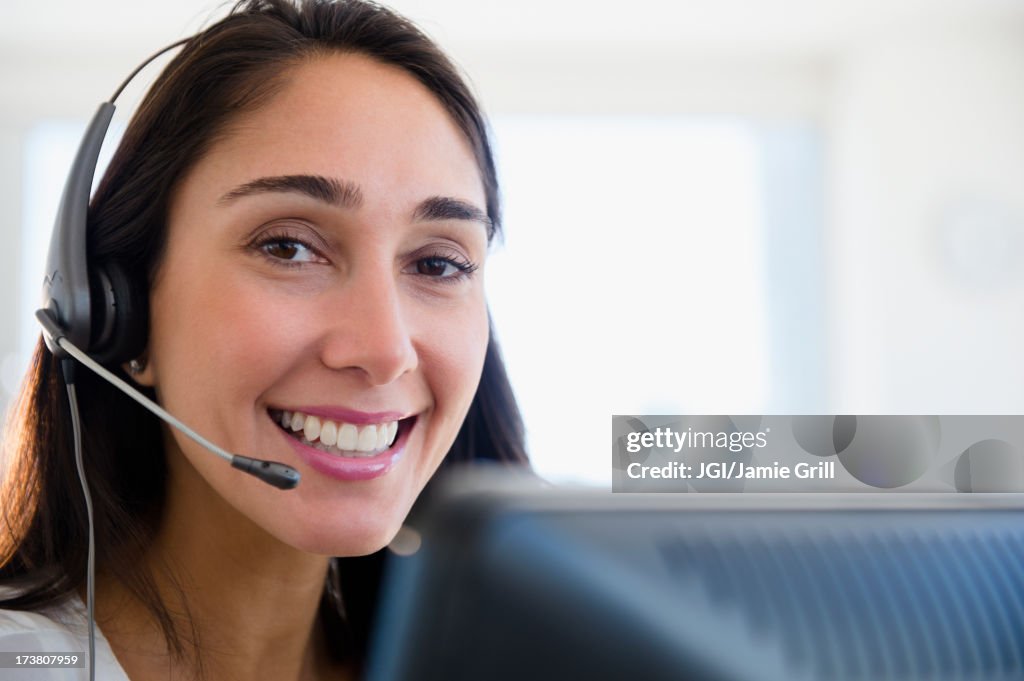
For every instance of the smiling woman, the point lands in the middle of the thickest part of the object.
(303, 206)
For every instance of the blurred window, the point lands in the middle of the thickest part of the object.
(655, 266)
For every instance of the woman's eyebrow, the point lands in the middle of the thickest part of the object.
(326, 189)
(447, 208)
(348, 195)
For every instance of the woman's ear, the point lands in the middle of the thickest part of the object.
(140, 371)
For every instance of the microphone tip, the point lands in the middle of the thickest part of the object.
(273, 473)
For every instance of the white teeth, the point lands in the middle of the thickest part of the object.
(329, 433)
(367, 439)
(348, 437)
(344, 439)
(312, 428)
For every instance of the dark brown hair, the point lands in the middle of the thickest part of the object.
(232, 67)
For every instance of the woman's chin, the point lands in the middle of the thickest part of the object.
(350, 541)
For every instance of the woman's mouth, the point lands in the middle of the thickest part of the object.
(337, 437)
(344, 450)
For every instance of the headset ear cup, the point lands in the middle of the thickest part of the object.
(118, 316)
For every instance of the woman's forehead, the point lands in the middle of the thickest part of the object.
(352, 119)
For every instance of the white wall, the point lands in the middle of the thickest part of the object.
(927, 221)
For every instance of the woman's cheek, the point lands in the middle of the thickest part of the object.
(254, 325)
(459, 344)
(221, 335)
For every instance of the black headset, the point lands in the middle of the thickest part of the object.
(95, 306)
(93, 313)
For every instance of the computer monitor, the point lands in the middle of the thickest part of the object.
(515, 583)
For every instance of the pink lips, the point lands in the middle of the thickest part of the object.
(352, 468)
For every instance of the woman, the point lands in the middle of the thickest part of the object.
(306, 198)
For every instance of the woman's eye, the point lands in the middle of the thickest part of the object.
(289, 250)
(438, 267)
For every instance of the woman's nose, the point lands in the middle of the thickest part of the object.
(369, 332)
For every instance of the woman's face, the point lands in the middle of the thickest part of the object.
(324, 271)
